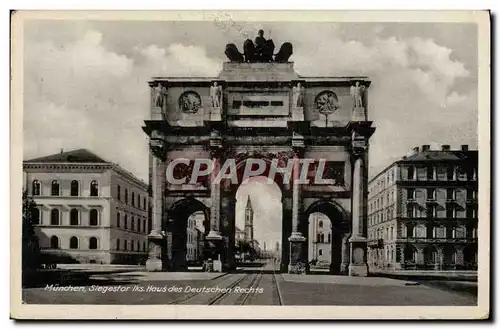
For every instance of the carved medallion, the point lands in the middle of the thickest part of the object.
(327, 102)
(190, 102)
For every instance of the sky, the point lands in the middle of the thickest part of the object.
(85, 82)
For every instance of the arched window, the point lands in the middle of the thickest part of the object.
(117, 244)
(322, 238)
(320, 252)
(93, 243)
(318, 237)
(132, 223)
(126, 196)
(73, 217)
(133, 199)
(54, 242)
(118, 219)
(35, 216)
(118, 192)
(125, 225)
(94, 188)
(35, 188)
(54, 217)
(74, 188)
(320, 224)
(55, 188)
(73, 242)
(93, 217)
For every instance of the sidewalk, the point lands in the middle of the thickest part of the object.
(425, 275)
(345, 280)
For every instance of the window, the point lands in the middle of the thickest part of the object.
(450, 194)
(73, 242)
(94, 188)
(117, 244)
(144, 246)
(126, 196)
(392, 233)
(73, 217)
(74, 188)
(144, 226)
(54, 242)
(329, 237)
(35, 216)
(93, 243)
(118, 219)
(132, 223)
(411, 173)
(118, 192)
(144, 203)
(470, 212)
(133, 199)
(431, 211)
(392, 176)
(410, 210)
(320, 252)
(54, 217)
(94, 219)
(35, 187)
(125, 225)
(125, 245)
(318, 237)
(132, 245)
(410, 193)
(138, 201)
(55, 188)
(320, 224)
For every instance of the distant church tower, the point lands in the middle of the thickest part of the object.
(249, 221)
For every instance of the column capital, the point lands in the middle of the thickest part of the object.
(158, 147)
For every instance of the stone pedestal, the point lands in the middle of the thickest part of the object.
(298, 114)
(154, 262)
(358, 114)
(297, 263)
(214, 114)
(358, 266)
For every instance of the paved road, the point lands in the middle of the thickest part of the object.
(251, 286)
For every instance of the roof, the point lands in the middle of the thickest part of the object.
(75, 156)
(249, 203)
(440, 156)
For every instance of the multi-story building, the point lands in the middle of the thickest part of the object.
(320, 231)
(88, 210)
(422, 211)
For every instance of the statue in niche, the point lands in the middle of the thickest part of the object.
(160, 93)
(216, 94)
(357, 94)
(297, 96)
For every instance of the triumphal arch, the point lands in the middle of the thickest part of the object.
(311, 134)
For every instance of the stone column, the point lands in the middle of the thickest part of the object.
(358, 266)
(344, 266)
(227, 220)
(297, 240)
(156, 238)
(287, 229)
(214, 237)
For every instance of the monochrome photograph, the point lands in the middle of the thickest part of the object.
(325, 165)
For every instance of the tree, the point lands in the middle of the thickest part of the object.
(30, 245)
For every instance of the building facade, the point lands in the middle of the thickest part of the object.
(422, 211)
(321, 238)
(88, 210)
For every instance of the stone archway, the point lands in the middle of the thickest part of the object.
(340, 231)
(177, 220)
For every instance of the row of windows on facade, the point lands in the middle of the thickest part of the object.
(381, 216)
(55, 188)
(74, 243)
(134, 245)
(132, 199)
(449, 173)
(437, 211)
(138, 228)
(427, 231)
(429, 254)
(379, 202)
(74, 217)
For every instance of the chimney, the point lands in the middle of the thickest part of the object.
(465, 148)
(416, 149)
(426, 148)
(445, 147)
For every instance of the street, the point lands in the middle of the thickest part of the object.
(249, 286)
